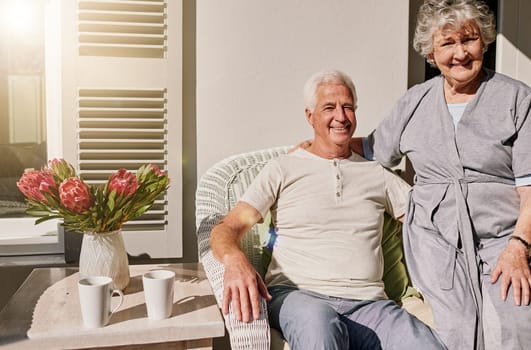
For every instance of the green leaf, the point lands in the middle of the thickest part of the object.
(46, 218)
(110, 200)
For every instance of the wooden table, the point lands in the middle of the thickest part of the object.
(44, 314)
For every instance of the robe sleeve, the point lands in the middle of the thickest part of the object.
(522, 144)
(386, 138)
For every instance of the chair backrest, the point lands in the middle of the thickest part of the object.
(218, 191)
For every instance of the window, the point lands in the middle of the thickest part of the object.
(28, 38)
(110, 98)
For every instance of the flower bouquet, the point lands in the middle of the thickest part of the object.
(98, 211)
(55, 192)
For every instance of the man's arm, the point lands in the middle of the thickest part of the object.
(242, 284)
(397, 190)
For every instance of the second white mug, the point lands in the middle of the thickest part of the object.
(158, 292)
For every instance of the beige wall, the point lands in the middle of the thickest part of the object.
(253, 57)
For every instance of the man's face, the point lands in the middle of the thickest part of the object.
(333, 118)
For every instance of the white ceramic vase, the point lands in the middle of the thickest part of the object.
(104, 254)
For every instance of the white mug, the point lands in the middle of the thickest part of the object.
(95, 299)
(158, 291)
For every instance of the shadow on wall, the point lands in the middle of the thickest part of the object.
(513, 23)
(189, 142)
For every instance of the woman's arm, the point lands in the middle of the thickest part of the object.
(513, 263)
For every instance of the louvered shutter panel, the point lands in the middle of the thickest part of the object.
(123, 129)
(122, 28)
(122, 84)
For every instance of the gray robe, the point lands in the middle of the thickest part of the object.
(464, 204)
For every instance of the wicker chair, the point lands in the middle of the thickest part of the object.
(217, 192)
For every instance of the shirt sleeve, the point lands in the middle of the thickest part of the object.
(397, 190)
(523, 181)
(263, 191)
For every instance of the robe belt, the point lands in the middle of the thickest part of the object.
(466, 234)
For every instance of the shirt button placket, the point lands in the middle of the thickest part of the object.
(338, 182)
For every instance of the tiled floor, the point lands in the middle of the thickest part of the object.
(13, 274)
(11, 277)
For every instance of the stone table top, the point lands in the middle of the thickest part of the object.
(56, 316)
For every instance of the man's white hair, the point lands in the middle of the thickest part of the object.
(326, 77)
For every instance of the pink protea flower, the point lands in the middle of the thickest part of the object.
(60, 168)
(123, 182)
(33, 183)
(156, 170)
(75, 195)
(54, 162)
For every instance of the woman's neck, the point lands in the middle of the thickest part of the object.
(456, 92)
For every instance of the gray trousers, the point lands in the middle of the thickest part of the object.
(310, 320)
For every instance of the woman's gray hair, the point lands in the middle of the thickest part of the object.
(443, 14)
(326, 77)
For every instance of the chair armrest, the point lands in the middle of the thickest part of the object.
(217, 191)
(252, 335)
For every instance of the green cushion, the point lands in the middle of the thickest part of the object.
(395, 275)
(263, 232)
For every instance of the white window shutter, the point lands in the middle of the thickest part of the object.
(122, 28)
(122, 104)
(123, 129)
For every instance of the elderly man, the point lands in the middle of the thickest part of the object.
(324, 283)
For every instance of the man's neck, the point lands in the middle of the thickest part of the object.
(330, 151)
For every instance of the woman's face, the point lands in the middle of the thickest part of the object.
(458, 54)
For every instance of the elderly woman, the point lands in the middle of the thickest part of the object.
(467, 134)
